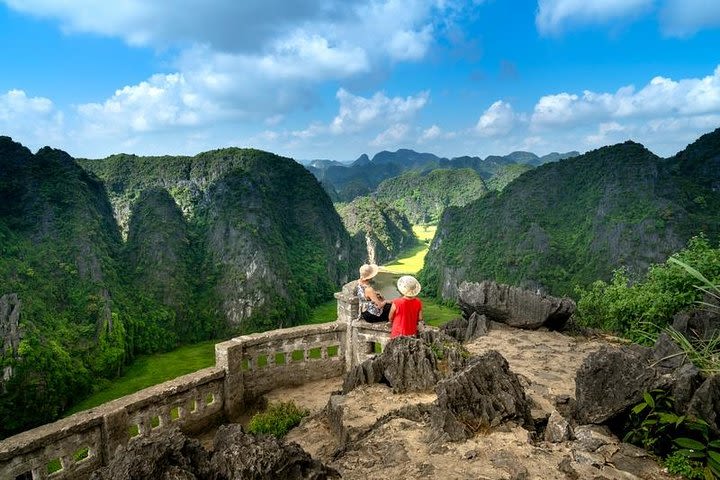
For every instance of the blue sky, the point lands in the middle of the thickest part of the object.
(326, 79)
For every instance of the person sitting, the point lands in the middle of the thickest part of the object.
(406, 311)
(373, 307)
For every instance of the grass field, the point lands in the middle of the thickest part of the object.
(149, 370)
(412, 260)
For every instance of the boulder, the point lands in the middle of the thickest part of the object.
(514, 306)
(611, 380)
(410, 364)
(170, 455)
(466, 329)
(242, 456)
(557, 429)
(701, 323)
(482, 395)
(705, 403)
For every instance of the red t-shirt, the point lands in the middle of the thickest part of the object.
(407, 312)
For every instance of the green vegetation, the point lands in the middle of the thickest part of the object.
(506, 174)
(424, 196)
(686, 443)
(232, 240)
(575, 221)
(642, 309)
(388, 229)
(149, 370)
(278, 419)
(412, 260)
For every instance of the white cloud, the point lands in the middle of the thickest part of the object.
(359, 113)
(686, 17)
(498, 119)
(430, 134)
(606, 133)
(661, 97)
(392, 136)
(33, 121)
(554, 16)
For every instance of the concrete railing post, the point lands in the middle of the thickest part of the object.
(229, 356)
(348, 311)
(115, 433)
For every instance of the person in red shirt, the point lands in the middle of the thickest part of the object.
(406, 311)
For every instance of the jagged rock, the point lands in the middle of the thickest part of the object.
(667, 355)
(701, 323)
(610, 380)
(565, 466)
(410, 363)
(635, 461)
(511, 464)
(590, 438)
(514, 306)
(466, 329)
(558, 429)
(483, 395)
(705, 402)
(686, 381)
(241, 456)
(168, 456)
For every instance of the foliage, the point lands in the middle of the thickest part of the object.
(424, 196)
(575, 221)
(278, 419)
(704, 354)
(641, 310)
(686, 442)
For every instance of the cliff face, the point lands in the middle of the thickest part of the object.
(378, 228)
(574, 221)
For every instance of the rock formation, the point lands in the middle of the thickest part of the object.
(514, 306)
(466, 329)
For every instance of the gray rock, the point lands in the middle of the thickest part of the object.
(481, 396)
(611, 380)
(705, 403)
(667, 355)
(514, 306)
(170, 455)
(701, 323)
(635, 461)
(241, 456)
(686, 380)
(590, 438)
(558, 429)
(466, 329)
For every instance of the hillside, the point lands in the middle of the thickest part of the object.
(364, 175)
(424, 196)
(226, 241)
(380, 229)
(572, 222)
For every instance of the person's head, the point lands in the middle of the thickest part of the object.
(368, 271)
(408, 286)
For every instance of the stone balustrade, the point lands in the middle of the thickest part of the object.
(245, 368)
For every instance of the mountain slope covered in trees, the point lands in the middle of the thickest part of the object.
(424, 196)
(229, 240)
(572, 222)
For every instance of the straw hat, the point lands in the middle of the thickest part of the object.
(368, 271)
(408, 286)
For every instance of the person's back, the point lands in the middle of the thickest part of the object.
(406, 311)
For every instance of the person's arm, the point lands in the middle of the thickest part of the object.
(370, 293)
(391, 315)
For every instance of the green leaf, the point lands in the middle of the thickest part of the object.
(714, 444)
(689, 443)
(680, 420)
(639, 408)
(667, 417)
(649, 399)
(713, 455)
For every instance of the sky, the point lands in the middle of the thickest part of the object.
(324, 79)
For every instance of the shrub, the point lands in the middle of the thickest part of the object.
(278, 419)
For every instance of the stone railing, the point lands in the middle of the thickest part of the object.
(245, 368)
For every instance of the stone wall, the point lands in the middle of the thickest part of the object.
(245, 367)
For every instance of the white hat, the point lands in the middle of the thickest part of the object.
(408, 286)
(368, 271)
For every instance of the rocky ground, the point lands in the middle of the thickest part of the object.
(372, 444)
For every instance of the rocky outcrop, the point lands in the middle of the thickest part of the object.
(705, 403)
(10, 334)
(409, 363)
(466, 329)
(241, 456)
(481, 396)
(514, 306)
(701, 323)
(236, 456)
